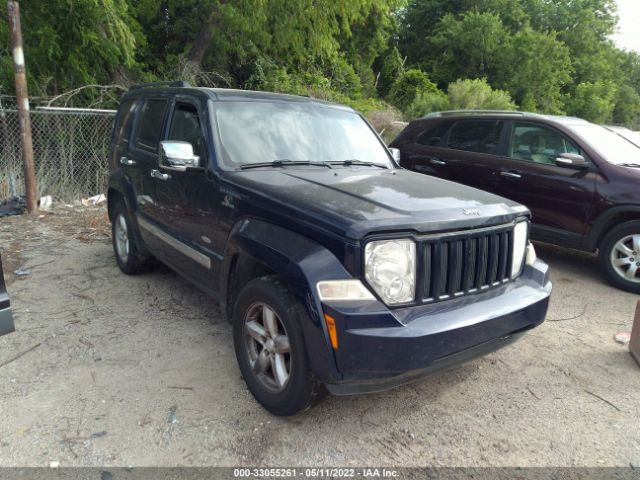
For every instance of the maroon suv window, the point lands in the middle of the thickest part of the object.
(476, 136)
(433, 137)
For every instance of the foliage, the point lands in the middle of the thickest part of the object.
(540, 69)
(70, 46)
(594, 101)
(627, 109)
(408, 86)
(392, 68)
(540, 51)
(427, 102)
(478, 94)
(470, 47)
(547, 56)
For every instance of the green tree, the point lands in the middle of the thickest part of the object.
(594, 101)
(540, 69)
(627, 107)
(71, 44)
(392, 68)
(470, 47)
(426, 103)
(408, 86)
(478, 95)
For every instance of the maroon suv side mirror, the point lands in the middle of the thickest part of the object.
(572, 160)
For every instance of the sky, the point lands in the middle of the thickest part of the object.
(628, 35)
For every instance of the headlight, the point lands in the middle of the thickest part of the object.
(520, 240)
(343, 290)
(390, 269)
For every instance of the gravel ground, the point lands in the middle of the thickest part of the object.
(140, 371)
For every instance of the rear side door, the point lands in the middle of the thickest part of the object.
(472, 153)
(423, 154)
(142, 155)
(559, 198)
(463, 151)
(122, 134)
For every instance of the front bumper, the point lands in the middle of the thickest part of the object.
(381, 348)
(6, 321)
(6, 318)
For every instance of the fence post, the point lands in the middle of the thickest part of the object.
(23, 106)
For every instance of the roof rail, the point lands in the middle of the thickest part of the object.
(474, 112)
(175, 84)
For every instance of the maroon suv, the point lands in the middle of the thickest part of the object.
(581, 181)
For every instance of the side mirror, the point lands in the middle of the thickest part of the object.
(572, 160)
(177, 155)
(395, 153)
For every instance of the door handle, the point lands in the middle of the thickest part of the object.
(126, 161)
(435, 161)
(159, 175)
(511, 174)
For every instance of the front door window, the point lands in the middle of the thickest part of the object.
(537, 144)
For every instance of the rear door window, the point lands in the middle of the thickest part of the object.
(150, 123)
(481, 136)
(434, 137)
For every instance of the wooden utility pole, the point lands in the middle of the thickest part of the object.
(23, 107)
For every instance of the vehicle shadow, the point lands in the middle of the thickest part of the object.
(570, 262)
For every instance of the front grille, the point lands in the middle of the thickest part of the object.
(463, 263)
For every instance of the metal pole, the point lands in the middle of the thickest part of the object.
(23, 106)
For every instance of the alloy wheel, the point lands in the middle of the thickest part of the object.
(625, 258)
(121, 238)
(267, 346)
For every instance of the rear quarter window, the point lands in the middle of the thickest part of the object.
(122, 129)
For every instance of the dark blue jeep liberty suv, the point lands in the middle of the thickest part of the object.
(337, 269)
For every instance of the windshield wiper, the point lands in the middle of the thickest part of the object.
(633, 165)
(355, 161)
(284, 163)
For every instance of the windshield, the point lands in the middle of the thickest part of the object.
(257, 132)
(611, 146)
(633, 137)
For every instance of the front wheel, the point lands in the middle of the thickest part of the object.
(620, 256)
(270, 348)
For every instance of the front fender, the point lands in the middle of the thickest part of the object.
(603, 222)
(302, 263)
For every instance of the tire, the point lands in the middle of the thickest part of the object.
(130, 258)
(281, 380)
(619, 256)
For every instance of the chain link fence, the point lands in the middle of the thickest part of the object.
(70, 149)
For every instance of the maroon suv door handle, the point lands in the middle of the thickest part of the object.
(511, 174)
(437, 161)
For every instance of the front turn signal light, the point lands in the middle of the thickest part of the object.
(331, 328)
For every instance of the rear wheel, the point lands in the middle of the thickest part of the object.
(129, 257)
(270, 348)
(620, 256)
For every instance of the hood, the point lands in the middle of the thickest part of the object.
(355, 201)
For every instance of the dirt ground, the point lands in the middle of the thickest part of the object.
(140, 371)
